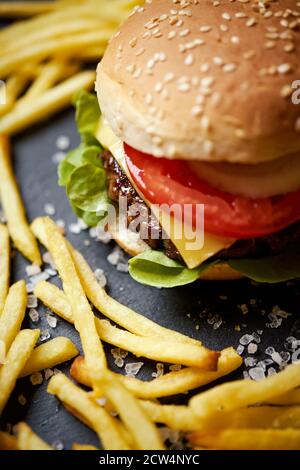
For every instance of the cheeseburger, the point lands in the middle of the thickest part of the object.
(198, 108)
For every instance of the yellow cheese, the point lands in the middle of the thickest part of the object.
(192, 257)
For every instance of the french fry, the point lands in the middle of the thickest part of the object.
(17, 9)
(14, 87)
(4, 265)
(82, 312)
(171, 383)
(242, 393)
(155, 348)
(143, 431)
(290, 398)
(7, 441)
(248, 439)
(50, 354)
(49, 75)
(13, 207)
(53, 100)
(13, 313)
(111, 308)
(16, 359)
(177, 417)
(85, 408)
(64, 46)
(77, 446)
(28, 440)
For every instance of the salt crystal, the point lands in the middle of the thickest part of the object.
(49, 209)
(257, 373)
(133, 368)
(48, 373)
(240, 349)
(252, 348)
(60, 223)
(279, 312)
(285, 356)
(29, 287)
(296, 356)
(36, 379)
(58, 445)
(271, 371)
(123, 267)
(75, 228)
(276, 358)
(43, 276)
(32, 301)
(45, 335)
(114, 257)
(47, 258)
(246, 339)
(101, 401)
(246, 375)
(175, 367)
(102, 235)
(100, 276)
(270, 350)
(256, 337)
(87, 242)
(32, 270)
(22, 400)
(93, 232)
(62, 142)
(250, 362)
(291, 343)
(34, 315)
(244, 309)
(51, 272)
(260, 332)
(58, 157)
(159, 370)
(51, 320)
(223, 297)
(119, 356)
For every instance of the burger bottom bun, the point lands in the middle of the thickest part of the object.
(133, 245)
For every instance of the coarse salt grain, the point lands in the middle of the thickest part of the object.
(34, 315)
(252, 348)
(58, 157)
(246, 339)
(36, 379)
(133, 368)
(32, 270)
(159, 370)
(45, 335)
(62, 142)
(32, 301)
(49, 209)
(257, 373)
(100, 276)
(51, 320)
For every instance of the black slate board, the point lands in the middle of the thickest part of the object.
(178, 308)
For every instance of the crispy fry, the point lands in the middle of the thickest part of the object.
(13, 207)
(13, 313)
(16, 359)
(290, 398)
(154, 348)
(143, 431)
(242, 393)
(85, 408)
(17, 9)
(178, 417)
(49, 75)
(7, 441)
(28, 440)
(111, 308)
(169, 384)
(50, 354)
(4, 265)
(64, 46)
(77, 446)
(248, 439)
(83, 314)
(53, 100)
(14, 87)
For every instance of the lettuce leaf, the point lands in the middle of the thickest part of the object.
(82, 172)
(156, 269)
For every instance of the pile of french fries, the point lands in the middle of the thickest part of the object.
(44, 58)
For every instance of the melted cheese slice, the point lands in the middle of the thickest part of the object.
(211, 244)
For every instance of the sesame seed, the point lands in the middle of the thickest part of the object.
(133, 42)
(224, 27)
(205, 123)
(197, 110)
(140, 51)
(249, 55)
(290, 47)
(158, 87)
(228, 68)
(169, 77)
(226, 16)
(251, 22)
(217, 60)
(148, 98)
(207, 81)
(284, 68)
(189, 60)
(240, 14)
(286, 91)
(205, 29)
(205, 67)
(184, 32)
(171, 35)
(270, 44)
(184, 87)
(235, 39)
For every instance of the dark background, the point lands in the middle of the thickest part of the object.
(181, 308)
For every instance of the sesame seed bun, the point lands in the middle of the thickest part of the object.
(205, 80)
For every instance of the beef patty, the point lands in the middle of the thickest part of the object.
(119, 185)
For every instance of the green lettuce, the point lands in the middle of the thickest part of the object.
(82, 172)
(83, 176)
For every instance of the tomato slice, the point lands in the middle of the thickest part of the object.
(164, 181)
